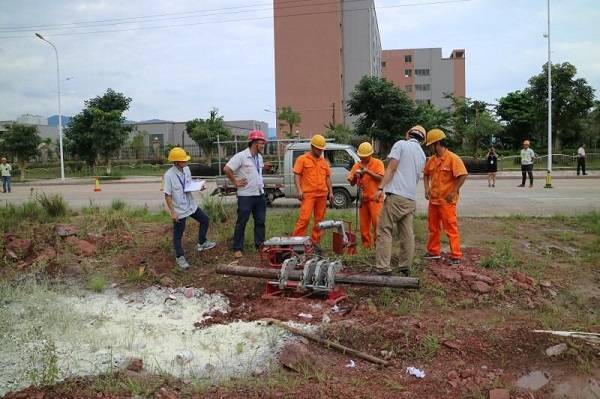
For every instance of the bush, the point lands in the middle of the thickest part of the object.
(54, 205)
(117, 204)
(215, 210)
(97, 283)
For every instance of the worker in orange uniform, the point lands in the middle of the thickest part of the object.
(443, 176)
(367, 174)
(312, 177)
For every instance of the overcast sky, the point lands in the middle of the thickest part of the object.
(179, 73)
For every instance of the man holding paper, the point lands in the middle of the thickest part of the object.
(181, 204)
(244, 171)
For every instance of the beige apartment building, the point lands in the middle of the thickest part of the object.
(322, 50)
(425, 75)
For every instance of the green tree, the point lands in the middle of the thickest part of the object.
(384, 112)
(591, 127)
(340, 133)
(518, 111)
(205, 131)
(99, 130)
(430, 116)
(137, 144)
(20, 141)
(291, 117)
(572, 99)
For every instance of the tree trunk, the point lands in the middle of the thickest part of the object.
(22, 169)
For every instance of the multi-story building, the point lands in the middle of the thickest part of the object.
(424, 75)
(322, 50)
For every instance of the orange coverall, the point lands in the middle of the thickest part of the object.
(443, 173)
(369, 208)
(313, 174)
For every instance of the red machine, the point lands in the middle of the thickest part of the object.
(298, 253)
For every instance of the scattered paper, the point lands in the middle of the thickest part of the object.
(351, 365)
(305, 315)
(416, 372)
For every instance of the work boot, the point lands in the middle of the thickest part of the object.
(431, 256)
(521, 185)
(206, 245)
(182, 263)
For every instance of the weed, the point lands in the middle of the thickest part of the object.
(216, 211)
(97, 283)
(117, 204)
(411, 304)
(392, 384)
(428, 347)
(54, 205)
(502, 258)
(42, 367)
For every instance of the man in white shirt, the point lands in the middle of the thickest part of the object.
(181, 204)
(581, 160)
(399, 184)
(527, 158)
(244, 171)
(6, 170)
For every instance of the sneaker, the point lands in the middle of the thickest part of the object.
(238, 254)
(182, 263)
(431, 256)
(382, 272)
(531, 185)
(454, 262)
(206, 245)
(521, 185)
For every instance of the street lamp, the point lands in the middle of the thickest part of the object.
(60, 132)
(549, 173)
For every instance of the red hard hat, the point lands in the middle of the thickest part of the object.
(256, 135)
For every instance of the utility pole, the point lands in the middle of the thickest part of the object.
(549, 171)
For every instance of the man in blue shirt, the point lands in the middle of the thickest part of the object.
(181, 204)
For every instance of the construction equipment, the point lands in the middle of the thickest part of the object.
(344, 240)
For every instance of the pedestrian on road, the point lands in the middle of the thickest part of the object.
(6, 170)
(581, 159)
(399, 183)
(527, 158)
(312, 177)
(444, 175)
(492, 167)
(181, 204)
(244, 171)
(367, 174)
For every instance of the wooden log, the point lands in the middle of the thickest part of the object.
(296, 275)
(329, 344)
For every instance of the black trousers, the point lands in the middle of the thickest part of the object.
(580, 165)
(527, 170)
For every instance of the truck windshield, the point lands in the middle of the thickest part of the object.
(339, 158)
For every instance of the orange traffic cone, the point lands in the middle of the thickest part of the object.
(97, 188)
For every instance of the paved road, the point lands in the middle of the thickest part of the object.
(569, 196)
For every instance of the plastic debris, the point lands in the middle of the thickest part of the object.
(351, 365)
(184, 357)
(305, 315)
(416, 372)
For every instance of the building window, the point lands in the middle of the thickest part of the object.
(407, 73)
(383, 64)
(408, 58)
(422, 101)
(408, 88)
(422, 72)
(425, 87)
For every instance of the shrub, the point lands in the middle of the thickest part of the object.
(117, 204)
(97, 283)
(54, 205)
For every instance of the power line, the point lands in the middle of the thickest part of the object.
(156, 27)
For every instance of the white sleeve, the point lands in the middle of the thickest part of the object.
(235, 162)
(168, 188)
(396, 151)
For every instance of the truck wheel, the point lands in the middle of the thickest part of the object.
(341, 198)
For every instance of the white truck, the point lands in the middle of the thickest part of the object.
(341, 157)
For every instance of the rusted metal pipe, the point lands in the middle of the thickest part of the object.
(296, 275)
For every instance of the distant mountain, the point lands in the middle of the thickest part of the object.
(53, 120)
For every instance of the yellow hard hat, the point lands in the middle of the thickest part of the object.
(318, 141)
(365, 149)
(434, 135)
(178, 154)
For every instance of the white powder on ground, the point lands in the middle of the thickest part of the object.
(94, 332)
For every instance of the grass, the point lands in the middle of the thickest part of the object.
(502, 258)
(97, 283)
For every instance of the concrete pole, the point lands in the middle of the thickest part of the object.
(549, 173)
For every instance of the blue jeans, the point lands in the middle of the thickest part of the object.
(179, 228)
(256, 206)
(6, 184)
